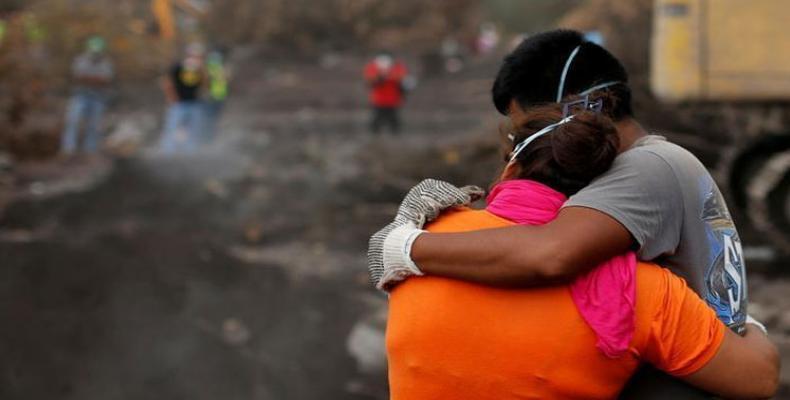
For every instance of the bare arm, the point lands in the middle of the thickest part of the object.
(576, 241)
(744, 367)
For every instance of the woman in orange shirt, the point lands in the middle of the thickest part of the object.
(449, 339)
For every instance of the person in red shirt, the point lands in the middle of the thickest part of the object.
(385, 77)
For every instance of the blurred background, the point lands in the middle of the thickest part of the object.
(187, 186)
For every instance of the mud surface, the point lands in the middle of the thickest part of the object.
(238, 272)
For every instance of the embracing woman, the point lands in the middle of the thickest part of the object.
(449, 339)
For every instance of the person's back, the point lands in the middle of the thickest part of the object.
(449, 339)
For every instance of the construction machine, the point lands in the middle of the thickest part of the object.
(165, 11)
(728, 61)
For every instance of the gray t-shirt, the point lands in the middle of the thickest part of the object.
(669, 202)
(88, 66)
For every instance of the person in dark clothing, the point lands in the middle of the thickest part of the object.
(183, 86)
(385, 117)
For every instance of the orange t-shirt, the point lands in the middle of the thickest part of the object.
(449, 339)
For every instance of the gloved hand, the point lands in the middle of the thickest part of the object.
(389, 250)
(425, 201)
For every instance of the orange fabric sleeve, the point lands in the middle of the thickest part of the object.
(685, 333)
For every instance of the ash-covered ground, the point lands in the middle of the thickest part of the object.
(238, 272)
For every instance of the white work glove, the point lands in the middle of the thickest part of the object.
(389, 250)
(752, 321)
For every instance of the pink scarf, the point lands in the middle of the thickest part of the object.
(604, 295)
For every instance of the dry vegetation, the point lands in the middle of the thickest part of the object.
(306, 25)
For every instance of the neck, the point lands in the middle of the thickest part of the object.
(525, 201)
(629, 132)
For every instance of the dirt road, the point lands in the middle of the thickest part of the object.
(235, 273)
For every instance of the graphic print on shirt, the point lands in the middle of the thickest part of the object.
(190, 77)
(725, 275)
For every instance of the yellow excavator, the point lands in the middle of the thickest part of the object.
(727, 63)
(164, 12)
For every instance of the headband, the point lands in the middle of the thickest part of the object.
(523, 145)
(561, 87)
(564, 75)
(566, 118)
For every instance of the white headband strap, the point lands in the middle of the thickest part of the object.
(523, 145)
(599, 87)
(561, 88)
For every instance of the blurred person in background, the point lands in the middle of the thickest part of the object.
(92, 72)
(452, 54)
(487, 39)
(218, 78)
(183, 86)
(386, 78)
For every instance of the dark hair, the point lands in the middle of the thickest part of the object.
(530, 74)
(569, 157)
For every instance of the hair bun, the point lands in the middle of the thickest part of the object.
(573, 154)
(586, 146)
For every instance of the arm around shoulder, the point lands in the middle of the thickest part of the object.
(521, 256)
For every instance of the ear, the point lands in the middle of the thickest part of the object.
(512, 171)
(516, 113)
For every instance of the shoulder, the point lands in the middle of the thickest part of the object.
(657, 151)
(644, 169)
(654, 279)
(652, 164)
(658, 287)
(466, 219)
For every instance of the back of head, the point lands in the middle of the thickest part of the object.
(568, 157)
(531, 73)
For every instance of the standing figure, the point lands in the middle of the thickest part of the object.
(385, 76)
(487, 39)
(452, 55)
(92, 72)
(182, 87)
(218, 77)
